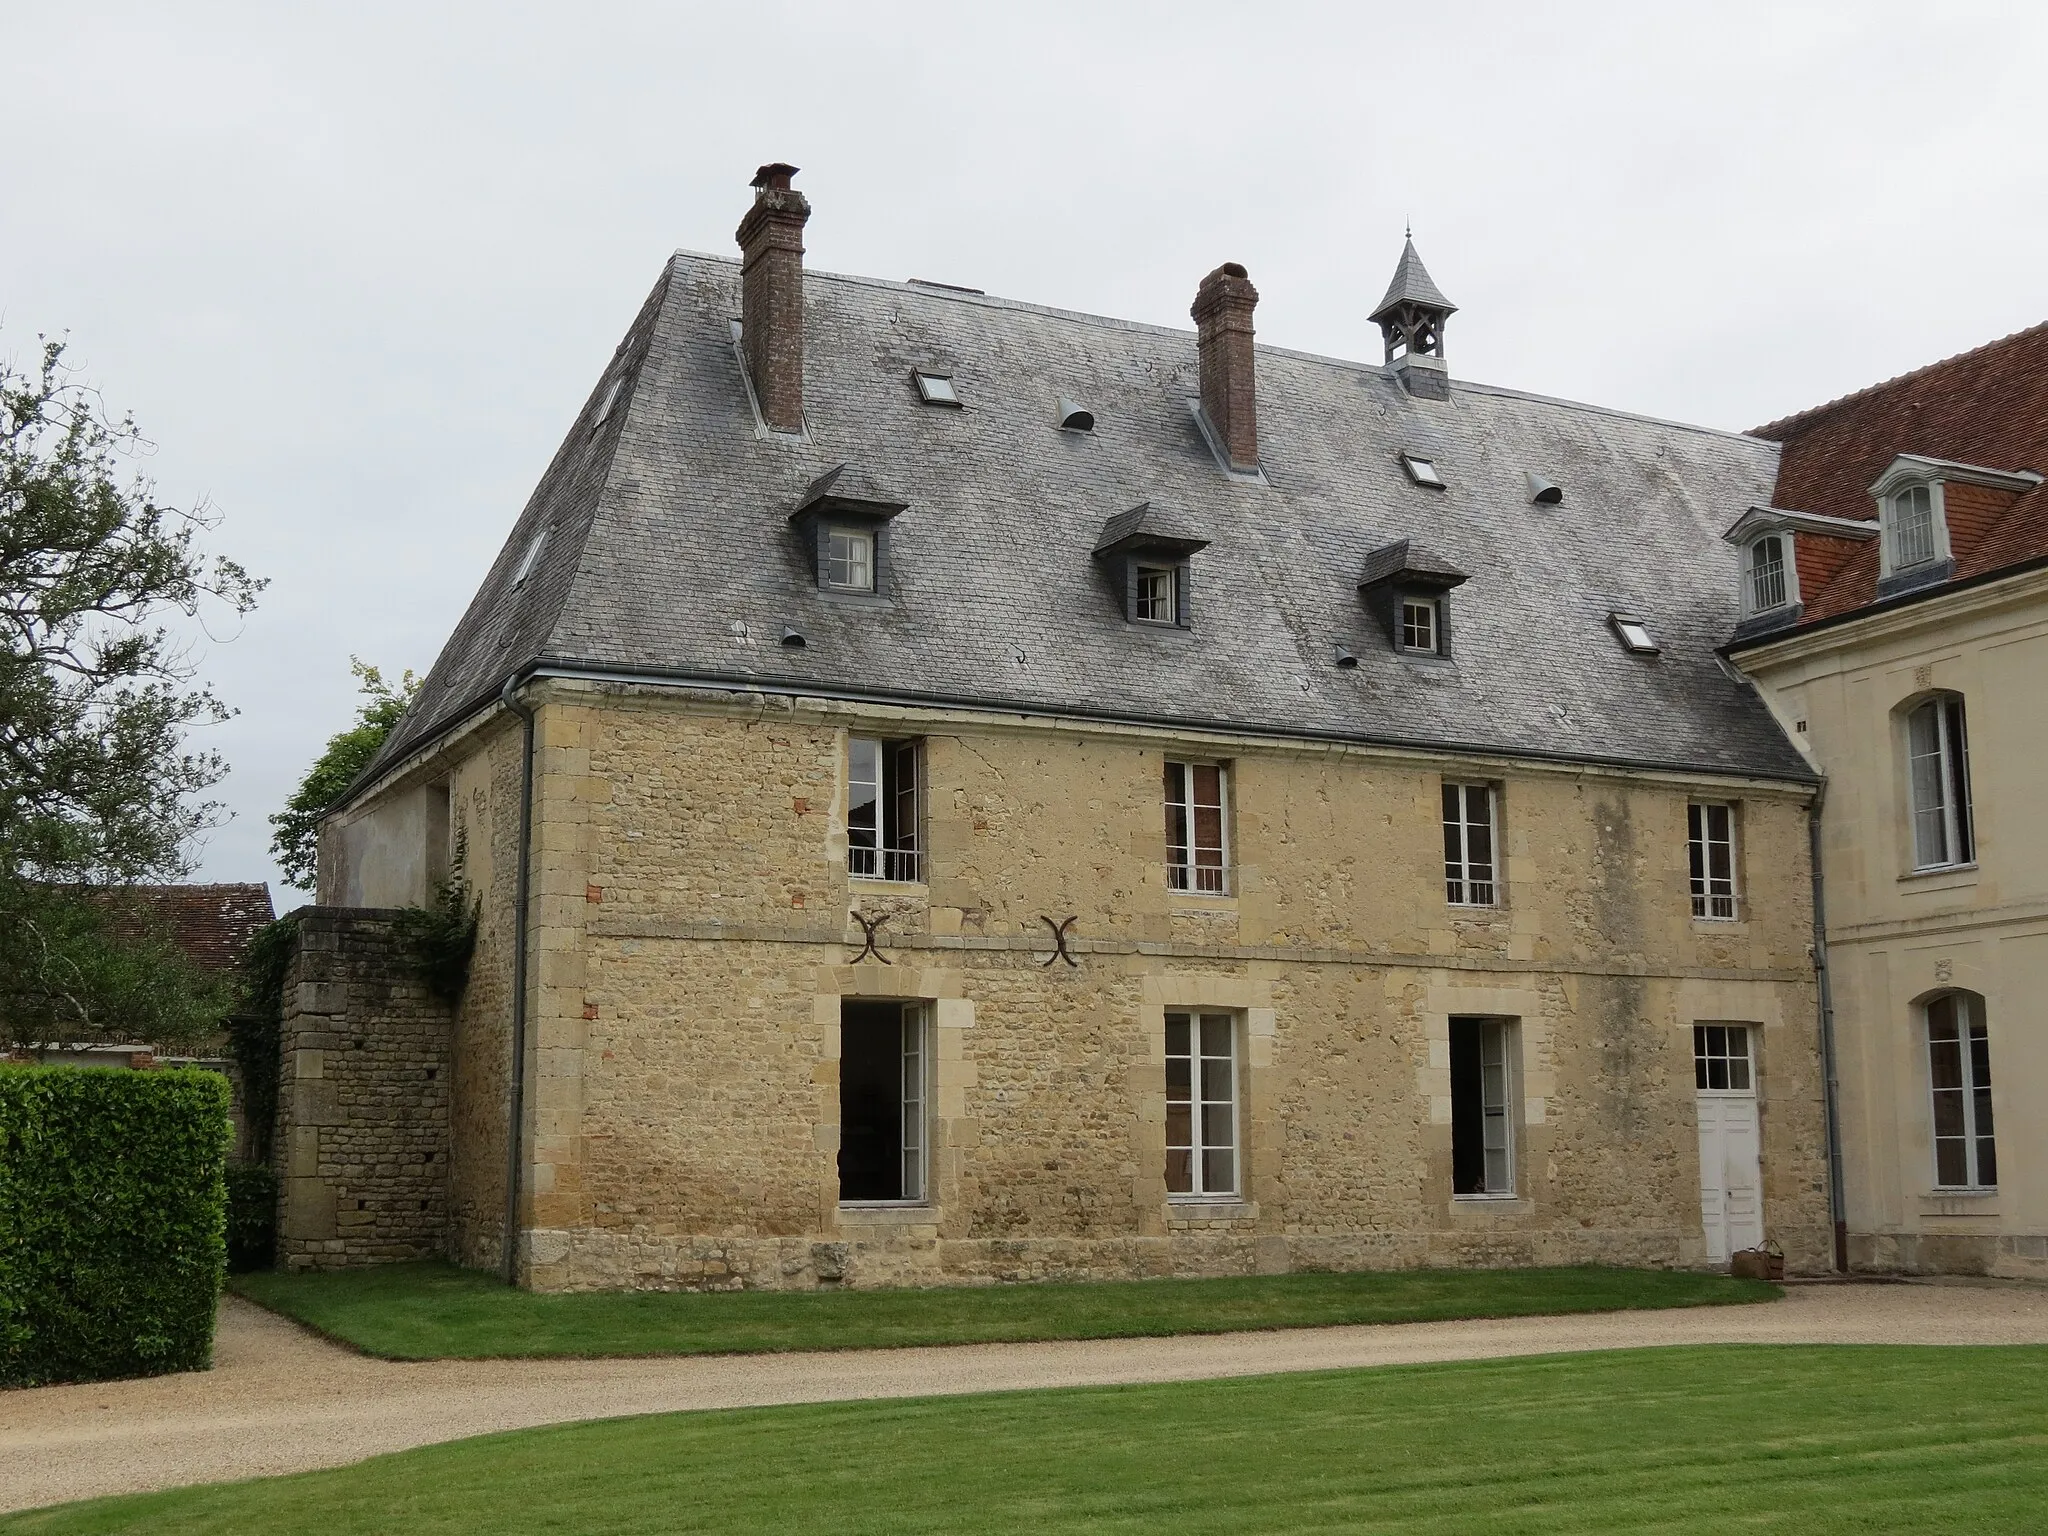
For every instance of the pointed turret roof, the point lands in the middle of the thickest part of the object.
(1412, 284)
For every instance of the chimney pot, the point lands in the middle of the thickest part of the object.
(771, 240)
(1222, 314)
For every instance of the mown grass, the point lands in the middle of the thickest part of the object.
(436, 1312)
(1696, 1440)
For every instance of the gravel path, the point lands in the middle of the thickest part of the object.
(280, 1399)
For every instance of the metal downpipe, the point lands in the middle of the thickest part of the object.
(516, 1112)
(1838, 1206)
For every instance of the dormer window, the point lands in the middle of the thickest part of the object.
(1407, 589)
(843, 522)
(1419, 627)
(936, 388)
(1153, 595)
(1145, 552)
(1911, 527)
(850, 559)
(1768, 560)
(1765, 564)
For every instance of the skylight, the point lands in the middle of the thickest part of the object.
(611, 398)
(936, 388)
(530, 559)
(1423, 471)
(1634, 635)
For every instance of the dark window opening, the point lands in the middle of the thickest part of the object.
(1481, 1157)
(881, 1101)
(882, 810)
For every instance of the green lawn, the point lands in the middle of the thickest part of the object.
(1708, 1440)
(436, 1312)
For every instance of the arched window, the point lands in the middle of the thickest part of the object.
(1959, 1073)
(1912, 527)
(1767, 588)
(1938, 771)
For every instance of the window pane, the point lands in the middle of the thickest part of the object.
(1215, 1079)
(1180, 1125)
(1948, 1112)
(1738, 1073)
(1717, 1071)
(863, 792)
(1216, 1034)
(1177, 1034)
(1180, 1169)
(1958, 786)
(1950, 1165)
(1216, 1125)
(1179, 1077)
(1987, 1161)
(1219, 1171)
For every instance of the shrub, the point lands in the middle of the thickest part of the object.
(112, 1221)
(252, 1217)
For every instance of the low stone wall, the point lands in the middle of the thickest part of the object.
(362, 1118)
(2002, 1256)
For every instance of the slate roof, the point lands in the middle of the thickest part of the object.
(1988, 407)
(212, 924)
(671, 553)
(1405, 557)
(1412, 284)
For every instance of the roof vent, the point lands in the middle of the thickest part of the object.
(1075, 418)
(1345, 658)
(1544, 493)
(793, 637)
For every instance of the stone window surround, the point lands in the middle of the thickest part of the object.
(1252, 1001)
(948, 1076)
(1535, 1080)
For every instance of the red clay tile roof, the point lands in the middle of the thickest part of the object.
(1987, 407)
(212, 924)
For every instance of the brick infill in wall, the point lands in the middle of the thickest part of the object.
(362, 1118)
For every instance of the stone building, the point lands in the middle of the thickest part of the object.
(1895, 602)
(960, 790)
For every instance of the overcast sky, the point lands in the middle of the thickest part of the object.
(355, 268)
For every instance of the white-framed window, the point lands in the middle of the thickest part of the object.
(1153, 595)
(1910, 531)
(1482, 1097)
(1198, 828)
(1766, 564)
(883, 791)
(1938, 774)
(1421, 629)
(1720, 1059)
(1710, 851)
(1469, 879)
(1959, 1074)
(884, 1101)
(850, 559)
(1201, 1105)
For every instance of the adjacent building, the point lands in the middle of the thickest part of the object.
(1895, 617)
(959, 790)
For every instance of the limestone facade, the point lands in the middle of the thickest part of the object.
(694, 939)
(363, 1101)
(1901, 937)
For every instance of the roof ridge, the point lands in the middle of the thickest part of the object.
(1331, 359)
(1895, 380)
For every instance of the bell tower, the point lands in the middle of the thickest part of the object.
(1411, 319)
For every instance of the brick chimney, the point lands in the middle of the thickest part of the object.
(771, 239)
(1230, 396)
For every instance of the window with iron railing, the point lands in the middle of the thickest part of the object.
(1197, 828)
(1912, 527)
(883, 804)
(1710, 852)
(1767, 588)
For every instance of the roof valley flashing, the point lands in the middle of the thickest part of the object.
(676, 555)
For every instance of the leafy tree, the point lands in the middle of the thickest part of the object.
(98, 786)
(297, 840)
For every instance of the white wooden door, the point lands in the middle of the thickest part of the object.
(1731, 1194)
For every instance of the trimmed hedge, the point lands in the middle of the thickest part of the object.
(113, 1210)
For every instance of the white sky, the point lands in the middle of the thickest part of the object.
(355, 268)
